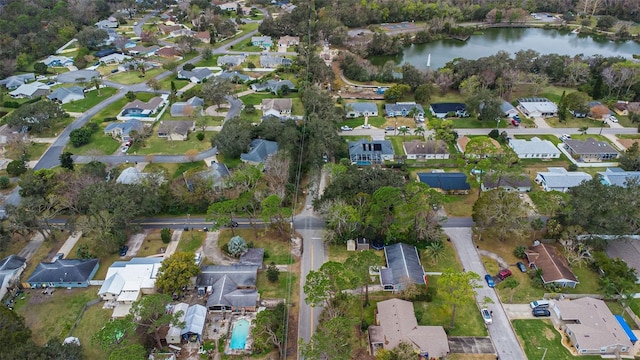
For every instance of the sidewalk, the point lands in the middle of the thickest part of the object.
(173, 245)
(70, 243)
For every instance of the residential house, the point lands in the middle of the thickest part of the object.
(168, 52)
(447, 182)
(272, 62)
(259, 151)
(143, 51)
(115, 58)
(423, 150)
(110, 23)
(508, 109)
(63, 273)
(403, 267)
(478, 147)
(77, 76)
(31, 90)
(230, 287)
(537, 107)
(272, 86)
(554, 267)
(144, 111)
(231, 60)
(168, 29)
(234, 76)
(181, 32)
(217, 175)
(288, 8)
(404, 109)
(175, 130)
(122, 130)
(442, 110)
(396, 322)
(193, 317)
(126, 281)
(286, 41)
(592, 328)
(591, 150)
(11, 268)
(197, 75)
(619, 177)
(622, 107)
(230, 6)
(261, 41)
(358, 109)
(204, 36)
(534, 149)
(509, 182)
(253, 256)
(191, 107)
(57, 61)
(66, 95)
(559, 179)
(599, 111)
(370, 152)
(280, 108)
(627, 249)
(13, 82)
(132, 176)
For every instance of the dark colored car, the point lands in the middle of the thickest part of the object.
(521, 266)
(489, 279)
(504, 273)
(539, 312)
(389, 128)
(123, 250)
(233, 224)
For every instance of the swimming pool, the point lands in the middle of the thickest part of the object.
(239, 334)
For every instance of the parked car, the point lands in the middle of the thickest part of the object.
(537, 303)
(613, 119)
(565, 137)
(198, 258)
(389, 128)
(515, 122)
(504, 273)
(521, 266)
(125, 149)
(123, 250)
(346, 128)
(366, 126)
(540, 312)
(486, 316)
(489, 279)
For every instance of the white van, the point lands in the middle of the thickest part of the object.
(535, 304)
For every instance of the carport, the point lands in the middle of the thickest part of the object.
(470, 345)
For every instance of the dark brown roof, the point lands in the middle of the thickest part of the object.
(590, 146)
(168, 51)
(425, 147)
(507, 180)
(553, 265)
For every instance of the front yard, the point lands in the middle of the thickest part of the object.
(156, 145)
(276, 249)
(133, 77)
(539, 336)
(90, 100)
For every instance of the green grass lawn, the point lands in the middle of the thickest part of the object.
(574, 122)
(208, 63)
(460, 205)
(99, 144)
(396, 141)
(34, 152)
(537, 335)
(112, 110)
(165, 83)
(473, 123)
(152, 244)
(277, 290)
(355, 137)
(50, 316)
(231, 163)
(133, 77)
(449, 259)
(190, 241)
(275, 248)
(55, 129)
(91, 99)
(156, 145)
(91, 322)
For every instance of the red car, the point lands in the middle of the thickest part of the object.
(504, 273)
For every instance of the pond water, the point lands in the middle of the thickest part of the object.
(512, 40)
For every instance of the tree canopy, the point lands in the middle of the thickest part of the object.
(176, 272)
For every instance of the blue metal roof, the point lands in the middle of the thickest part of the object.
(626, 328)
(445, 181)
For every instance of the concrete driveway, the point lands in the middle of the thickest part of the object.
(518, 311)
(471, 345)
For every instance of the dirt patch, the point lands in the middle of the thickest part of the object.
(212, 251)
(548, 334)
(292, 334)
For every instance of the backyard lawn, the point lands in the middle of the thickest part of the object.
(538, 336)
(90, 100)
(276, 249)
(165, 83)
(50, 316)
(133, 77)
(157, 145)
(460, 205)
(93, 319)
(277, 290)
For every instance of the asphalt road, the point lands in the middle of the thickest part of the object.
(502, 334)
(380, 133)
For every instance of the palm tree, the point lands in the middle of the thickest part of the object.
(403, 130)
(96, 82)
(419, 131)
(583, 130)
(434, 251)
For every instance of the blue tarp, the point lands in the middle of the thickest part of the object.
(627, 329)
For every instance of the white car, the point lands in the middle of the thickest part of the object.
(613, 119)
(366, 126)
(486, 316)
(540, 303)
(125, 149)
(346, 128)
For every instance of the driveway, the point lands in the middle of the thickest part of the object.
(503, 336)
(135, 243)
(518, 311)
(470, 345)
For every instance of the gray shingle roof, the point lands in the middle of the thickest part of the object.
(233, 285)
(61, 94)
(253, 256)
(402, 106)
(11, 263)
(64, 270)
(126, 126)
(443, 108)
(200, 74)
(194, 320)
(403, 264)
(233, 75)
(365, 146)
(361, 107)
(259, 150)
(590, 146)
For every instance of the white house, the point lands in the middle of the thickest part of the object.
(534, 149)
(358, 109)
(31, 90)
(277, 107)
(127, 280)
(537, 107)
(114, 58)
(10, 269)
(65, 95)
(559, 179)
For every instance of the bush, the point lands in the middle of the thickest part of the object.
(237, 246)
(109, 119)
(200, 136)
(11, 104)
(519, 252)
(165, 235)
(572, 167)
(188, 67)
(16, 167)
(4, 182)
(273, 273)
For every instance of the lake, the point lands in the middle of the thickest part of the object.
(512, 40)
